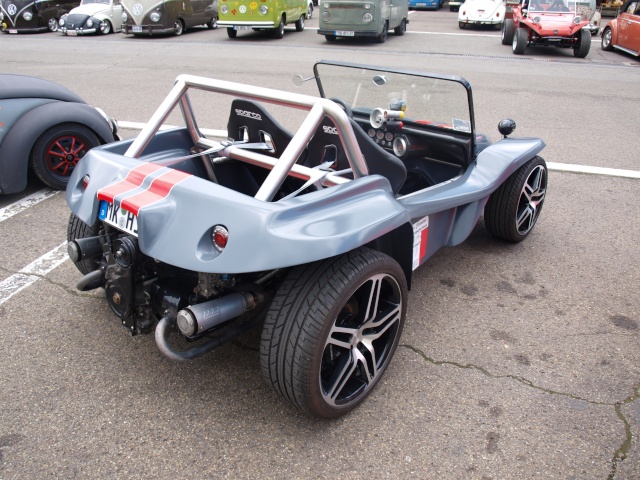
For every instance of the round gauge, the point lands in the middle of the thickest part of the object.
(372, 132)
(388, 136)
(400, 146)
(380, 135)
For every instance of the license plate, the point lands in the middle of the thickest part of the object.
(72, 33)
(344, 33)
(242, 27)
(13, 31)
(118, 217)
(136, 28)
(421, 4)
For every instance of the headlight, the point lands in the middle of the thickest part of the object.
(367, 17)
(124, 17)
(89, 23)
(263, 9)
(536, 19)
(27, 16)
(61, 22)
(326, 17)
(224, 9)
(577, 20)
(155, 17)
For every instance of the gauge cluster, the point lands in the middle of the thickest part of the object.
(391, 140)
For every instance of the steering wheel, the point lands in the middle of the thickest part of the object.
(345, 106)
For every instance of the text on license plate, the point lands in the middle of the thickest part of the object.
(242, 27)
(118, 217)
(136, 28)
(72, 33)
(344, 33)
(421, 4)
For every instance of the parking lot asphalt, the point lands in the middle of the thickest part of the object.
(516, 361)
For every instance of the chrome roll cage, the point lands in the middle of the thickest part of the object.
(280, 167)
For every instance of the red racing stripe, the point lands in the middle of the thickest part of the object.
(158, 190)
(134, 179)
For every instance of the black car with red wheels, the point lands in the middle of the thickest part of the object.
(45, 128)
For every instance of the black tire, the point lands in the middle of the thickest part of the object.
(58, 150)
(581, 50)
(300, 24)
(506, 34)
(279, 31)
(178, 28)
(213, 23)
(607, 37)
(383, 35)
(462, 25)
(78, 229)
(330, 300)
(454, 9)
(401, 29)
(520, 40)
(52, 24)
(231, 32)
(514, 208)
(330, 38)
(105, 27)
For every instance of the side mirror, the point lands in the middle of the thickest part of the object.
(507, 126)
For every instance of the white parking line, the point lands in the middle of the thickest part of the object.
(26, 202)
(32, 272)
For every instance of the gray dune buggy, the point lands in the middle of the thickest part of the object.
(314, 234)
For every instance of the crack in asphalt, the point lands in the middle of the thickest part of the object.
(621, 452)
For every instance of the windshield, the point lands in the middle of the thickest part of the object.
(88, 2)
(438, 101)
(558, 6)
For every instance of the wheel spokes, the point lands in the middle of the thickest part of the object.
(531, 198)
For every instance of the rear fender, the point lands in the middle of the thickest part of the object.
(18, 142)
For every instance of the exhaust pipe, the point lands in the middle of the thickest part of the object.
(84, 248)
(195, 319)
(201, 317)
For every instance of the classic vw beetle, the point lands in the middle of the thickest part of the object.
(314, 234)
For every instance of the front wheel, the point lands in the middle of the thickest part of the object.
(330, 38)
(383, 35)
(583, 46)
(506, 34)
(332, 329)
(520, 40)
(58, 150)
(232, 32)
(178, 28)
(514, 208)
(401, 29)
(52, 24)
(213, 23)
(607, 36)
(300, 24)
(105, 27)
(279, 31)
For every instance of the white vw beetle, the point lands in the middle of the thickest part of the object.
(93, 16)
(481, 12)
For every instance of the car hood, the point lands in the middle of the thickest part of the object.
(554, 21)
(90, 10)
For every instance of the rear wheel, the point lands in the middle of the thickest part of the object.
(231, 32)
(330, 38)
(583, 46)
(520, 40)
(332, 330)
(300, 24)
(462, 25)
(507, 32)
(58, 150)
(213, 23)
(513, 209)
(401, 29)
(279, 31)
(607, 36)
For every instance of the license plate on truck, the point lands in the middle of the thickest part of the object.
(118, 217)
(344, 33)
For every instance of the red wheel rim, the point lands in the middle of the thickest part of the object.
(64, 153)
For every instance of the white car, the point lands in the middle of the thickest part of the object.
(93, 16)
(481, 12)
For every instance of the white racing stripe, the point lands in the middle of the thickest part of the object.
(26, 202)
(32, 272)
